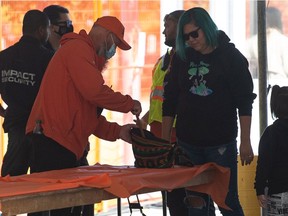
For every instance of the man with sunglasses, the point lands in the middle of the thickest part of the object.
(60, 25)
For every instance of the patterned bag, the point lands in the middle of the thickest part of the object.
(151, 151)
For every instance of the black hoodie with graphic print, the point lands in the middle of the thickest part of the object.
(206, 91)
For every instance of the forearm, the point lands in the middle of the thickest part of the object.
(167, 124)
(107, 130)
(246, 151)
(245, 127)
(144, 119)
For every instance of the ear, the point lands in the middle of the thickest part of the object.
(53, 27)
(42, 33)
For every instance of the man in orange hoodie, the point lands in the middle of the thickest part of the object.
(73, 91)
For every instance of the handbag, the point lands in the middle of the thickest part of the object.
(150, 151)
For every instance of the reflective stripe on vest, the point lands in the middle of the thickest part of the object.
(157, 93)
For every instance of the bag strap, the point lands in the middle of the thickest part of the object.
(138, 123)
(135, 205)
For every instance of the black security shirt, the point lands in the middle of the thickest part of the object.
(22, 67)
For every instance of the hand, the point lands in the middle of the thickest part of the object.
(262, 200)
(142, 122)
(125, 132)
(137, 109)
(246, 153)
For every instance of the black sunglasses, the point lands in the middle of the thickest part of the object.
(194, 34)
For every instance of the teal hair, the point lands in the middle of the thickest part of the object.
(199, 17)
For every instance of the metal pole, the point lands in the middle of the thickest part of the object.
(164, 202)
(118, 206)
(262, 63)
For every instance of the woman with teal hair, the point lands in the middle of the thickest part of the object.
(209, 87)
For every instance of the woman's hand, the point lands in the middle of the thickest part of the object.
(262, 200)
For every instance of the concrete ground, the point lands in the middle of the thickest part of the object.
(150, 208)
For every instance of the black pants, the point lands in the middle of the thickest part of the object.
(175, 202)
(15, 161)
(45, 155)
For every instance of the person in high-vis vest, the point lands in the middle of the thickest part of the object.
(153, 117)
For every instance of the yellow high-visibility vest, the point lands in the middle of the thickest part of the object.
(157, 91)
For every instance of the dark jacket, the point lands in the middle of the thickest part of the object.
(205, 93)
(22, 68)
(272, 161)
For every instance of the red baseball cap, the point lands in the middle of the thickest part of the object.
(115, 26)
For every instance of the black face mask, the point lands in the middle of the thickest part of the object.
(64, 27)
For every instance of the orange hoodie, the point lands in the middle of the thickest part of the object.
(71, 90)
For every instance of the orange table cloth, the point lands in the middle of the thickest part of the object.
(121, 181)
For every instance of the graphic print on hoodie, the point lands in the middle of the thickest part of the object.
(197, 74)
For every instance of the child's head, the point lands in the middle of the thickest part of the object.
(279, 102)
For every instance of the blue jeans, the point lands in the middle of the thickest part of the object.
(223, 155)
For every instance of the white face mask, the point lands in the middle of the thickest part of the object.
(111, 52)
